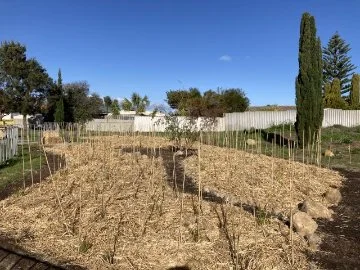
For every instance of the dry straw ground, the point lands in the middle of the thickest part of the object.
(115, 210)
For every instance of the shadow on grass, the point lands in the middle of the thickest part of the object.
(278, 139)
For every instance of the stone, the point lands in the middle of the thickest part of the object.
(304, 224)
(179, 153)
(315, 209)
(314, 241)
(284, 230)
(250, 142)
(329, 153)
(333, 196)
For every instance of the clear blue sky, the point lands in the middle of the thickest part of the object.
(152, 46)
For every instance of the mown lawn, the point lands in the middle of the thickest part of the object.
(16, 169)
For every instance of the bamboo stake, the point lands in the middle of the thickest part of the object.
(31, 167)
(23, 157)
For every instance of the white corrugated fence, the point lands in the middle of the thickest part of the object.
(230, 121)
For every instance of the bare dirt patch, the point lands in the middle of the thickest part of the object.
(340, 248)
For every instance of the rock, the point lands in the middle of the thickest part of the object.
(314, 241)
(333, 196)
(284, 230)
(329, 153)
(250, 142)
(304, 224)
(315, 209)
(179, 153)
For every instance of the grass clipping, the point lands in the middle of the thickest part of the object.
(115, 210)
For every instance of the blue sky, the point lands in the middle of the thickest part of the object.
(152, 46)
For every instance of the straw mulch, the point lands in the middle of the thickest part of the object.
(265, 182)
(114, 210)
(51, 137)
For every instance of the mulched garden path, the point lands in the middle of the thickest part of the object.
(340, 248)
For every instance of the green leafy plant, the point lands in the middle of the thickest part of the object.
(108, 256)
(182, 131)
(85, 245)
(262, 217)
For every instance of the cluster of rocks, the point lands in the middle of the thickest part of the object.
(303, 220)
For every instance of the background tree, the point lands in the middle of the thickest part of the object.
(54, 95)
(136, 103)
(234, 100)
(95, 105)
(3, 101)
(108, 102)
(337, 63)
(210, 104)
(115, 107)
(79, 105)
(309, 102)
(24, 81)
(355, 91)
(59, 116)
(177, 99)
(333, 97)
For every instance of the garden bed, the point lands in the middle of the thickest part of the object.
(118, 206)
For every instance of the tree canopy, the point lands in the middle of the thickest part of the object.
(108, 102)
(309, 103)
(24, 81)
(337, 63)
(355, 91)
(211, 104)
(333, 97)
(115, 107)
(135, 103)
(80, 105)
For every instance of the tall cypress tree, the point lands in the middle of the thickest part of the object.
(59, 115)
(309, 103)
(337, 63)
(355, 91)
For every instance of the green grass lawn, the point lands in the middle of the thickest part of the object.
(14, 170)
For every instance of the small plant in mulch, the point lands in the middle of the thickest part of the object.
(262, 216)
(85, 245)
(108, 256)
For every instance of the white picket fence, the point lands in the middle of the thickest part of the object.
(8, 143)
(230, 121)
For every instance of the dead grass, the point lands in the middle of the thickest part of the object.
(114, 210)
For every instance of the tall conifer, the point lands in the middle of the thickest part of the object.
(309, 103)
